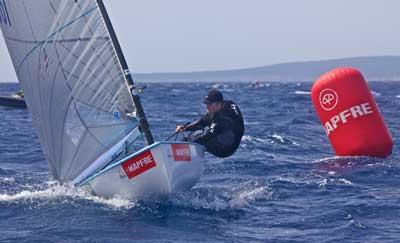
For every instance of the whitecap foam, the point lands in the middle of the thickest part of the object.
(255, 139)
(345, 181)
(56, 191)
(339, 158)
(224, 198)
(278, 137)
(340, 181)
(8, 180)
(272, 139)
(300, 92)
(244, 197)
(283, 140)
(375, 93)
(217, 86)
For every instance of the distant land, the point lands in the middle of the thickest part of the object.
(374, 68)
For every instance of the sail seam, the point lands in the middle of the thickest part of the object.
(84, 39)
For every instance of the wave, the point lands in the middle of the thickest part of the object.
(55, 191)
(210, 198)
(346, 164)
(223, 198)
(341, 181)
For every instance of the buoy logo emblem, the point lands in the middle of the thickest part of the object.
(328, 99)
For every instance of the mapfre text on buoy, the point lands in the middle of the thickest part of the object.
(350, 115)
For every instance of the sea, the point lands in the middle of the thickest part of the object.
(284, 183)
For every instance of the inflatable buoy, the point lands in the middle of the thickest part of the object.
(349, 114)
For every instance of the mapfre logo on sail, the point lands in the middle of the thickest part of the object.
(4, 14)
(139, 164)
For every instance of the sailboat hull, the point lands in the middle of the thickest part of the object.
(153, 173)
(12, 101)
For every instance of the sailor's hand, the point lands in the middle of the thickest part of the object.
(180, 128)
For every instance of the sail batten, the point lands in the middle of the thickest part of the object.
(74, 83)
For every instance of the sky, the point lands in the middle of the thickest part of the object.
(188, 35)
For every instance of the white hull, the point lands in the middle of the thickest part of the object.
(152, 173)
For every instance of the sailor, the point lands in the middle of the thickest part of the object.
(224, 124)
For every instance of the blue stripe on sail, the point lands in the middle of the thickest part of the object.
(52, 35)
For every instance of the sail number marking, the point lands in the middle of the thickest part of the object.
(4, 16)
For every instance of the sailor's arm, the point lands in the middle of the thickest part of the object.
(196, 125)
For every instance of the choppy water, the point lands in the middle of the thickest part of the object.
(282, 185)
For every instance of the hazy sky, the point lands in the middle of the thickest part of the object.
(187, 35)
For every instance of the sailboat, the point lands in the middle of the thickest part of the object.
(15, 100)
(85, 105)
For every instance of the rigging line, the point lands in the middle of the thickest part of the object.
(53, 34)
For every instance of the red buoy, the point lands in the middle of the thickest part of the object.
(349, 114)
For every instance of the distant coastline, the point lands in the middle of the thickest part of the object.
(374, 68)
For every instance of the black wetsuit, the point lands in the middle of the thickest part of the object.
(225, 130)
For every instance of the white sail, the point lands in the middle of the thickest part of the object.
(73, 81)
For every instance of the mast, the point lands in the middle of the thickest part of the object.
(143, 123)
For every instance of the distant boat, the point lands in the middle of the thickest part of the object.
(15, 100)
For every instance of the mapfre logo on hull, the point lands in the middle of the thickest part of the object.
(139, 164)
(181, 152)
